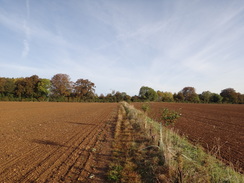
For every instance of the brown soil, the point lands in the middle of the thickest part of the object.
(219, 128)
(55, 142)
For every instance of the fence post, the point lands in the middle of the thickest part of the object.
(161, 137)
(145, 124)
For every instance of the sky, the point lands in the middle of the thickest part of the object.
(124, 45)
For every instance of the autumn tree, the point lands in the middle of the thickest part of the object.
(165, 96)
(31, 86)
(190, 94)
(84, 89)
(229, 95)
(160, 95)
(61, 85)
(20, 88)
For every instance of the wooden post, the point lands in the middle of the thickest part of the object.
(161, 137)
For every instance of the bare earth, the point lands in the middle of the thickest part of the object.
(55, 142)
(219, 128)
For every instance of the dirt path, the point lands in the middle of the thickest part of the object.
(55, 142)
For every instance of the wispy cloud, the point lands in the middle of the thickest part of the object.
(127, 44)
(26, 41)
(26, 48)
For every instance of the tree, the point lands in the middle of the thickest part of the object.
(110, 97)
(101, 98)
(9, 86)
(2, 89)
(165, 96)
(240, 98)
(189, 94)
(205, 96)
(178, 97)
(147, 93)
(135, 98)
(43, 88)
(83, 88)
(229, 95)
(215, 98)
(119, 96)
(160, 96)
(20, 88)
(61, 85)
(31, 86)
(127, 98)
(2, 84)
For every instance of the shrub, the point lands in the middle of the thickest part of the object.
(170, 116)
(115, 173)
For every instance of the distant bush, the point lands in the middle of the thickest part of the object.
(145, 107)
(170, 116)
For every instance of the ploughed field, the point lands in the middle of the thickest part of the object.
(55, 142)
(219, 128)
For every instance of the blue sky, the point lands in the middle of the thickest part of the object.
(123, 45)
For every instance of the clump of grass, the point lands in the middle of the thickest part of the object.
(145, 107)
(114, 174)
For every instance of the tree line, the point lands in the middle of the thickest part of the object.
(61, 89)
(188, 94)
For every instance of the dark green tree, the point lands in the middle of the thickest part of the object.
(148, 94)
(9, 86)
(215, 98)
(178, 97)
(205, 96)
(229, 95)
